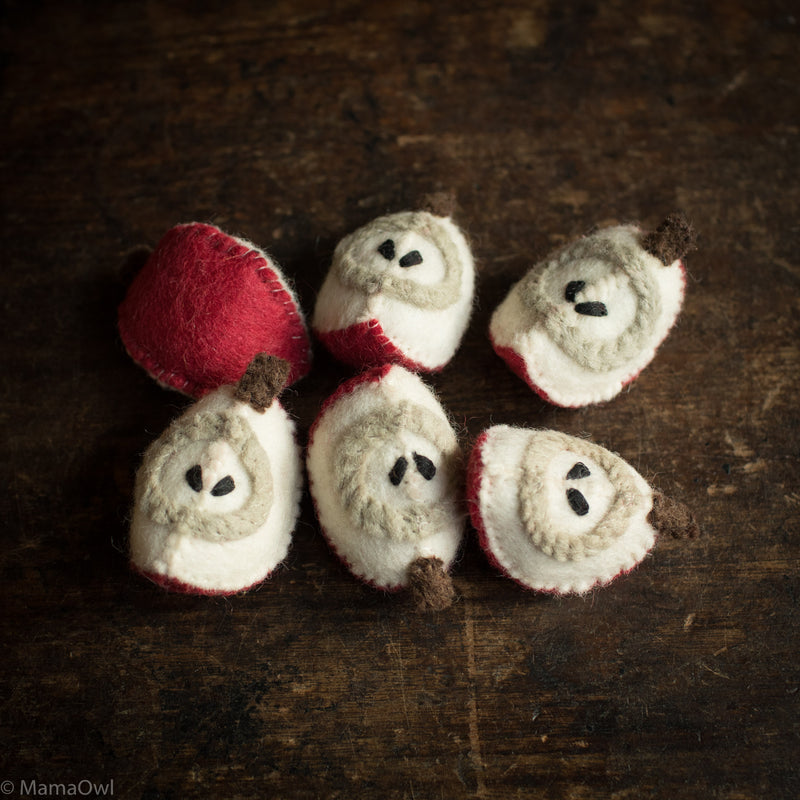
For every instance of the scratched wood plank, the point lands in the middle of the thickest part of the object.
(291, 123)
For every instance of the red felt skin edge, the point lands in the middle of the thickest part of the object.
(179, 587)
(516, 363)
(474, 479)
(203, 306)
(374, 375)
(342, 560)
(364, 345)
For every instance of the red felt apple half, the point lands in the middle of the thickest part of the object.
(585, 321)
(560, 514)
(204, 304)
(399, 291)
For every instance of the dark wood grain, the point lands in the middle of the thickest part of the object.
(292, 123)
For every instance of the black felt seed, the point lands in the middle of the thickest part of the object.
(577, 502)
(593, 309)
(411, 259)
(223, 486)
(194, 477)
(579, 470)
(398, 470)
(387, 249)
(573, 287)
(425, 466)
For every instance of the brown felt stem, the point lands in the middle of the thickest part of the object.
(671, 240)
(672, 517)
(430, 584)
(441, 204)
(262, 381)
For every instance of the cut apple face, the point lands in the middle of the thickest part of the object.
(557, 513)
(585, 321)
(575, 501)
(410, 257)
(396, 471)
(217, 494)
(209, 476)
(385, 474)
(596, 300)
(399, 290)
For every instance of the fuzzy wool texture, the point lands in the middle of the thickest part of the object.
(523, 492)
(584, 322)
(430, 584)
(204, 304)
(672, 239)
(400, 290)
(263, 381)
(369, 451)
(672, 518)
(365, 344)
(217, 497)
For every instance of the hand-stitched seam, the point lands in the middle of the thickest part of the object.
(553, 541)
(337, 340)
(405, 352)
(261, 262)
(151, 365)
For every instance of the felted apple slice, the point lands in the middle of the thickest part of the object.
(217, 495)
(384, 473)
(586, 321)
(560, 514)
(399, 291)
(204, 304)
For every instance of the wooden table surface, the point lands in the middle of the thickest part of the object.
(291, 124)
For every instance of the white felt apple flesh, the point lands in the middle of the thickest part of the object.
(399, 290)
(560, 514)
(585, 321)
(217, 495)
(384, 471)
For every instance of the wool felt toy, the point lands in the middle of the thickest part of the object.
(217, 495)
(399, 291)
(561, 515)
(204, 304)
(384, 469)
(585, 321)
